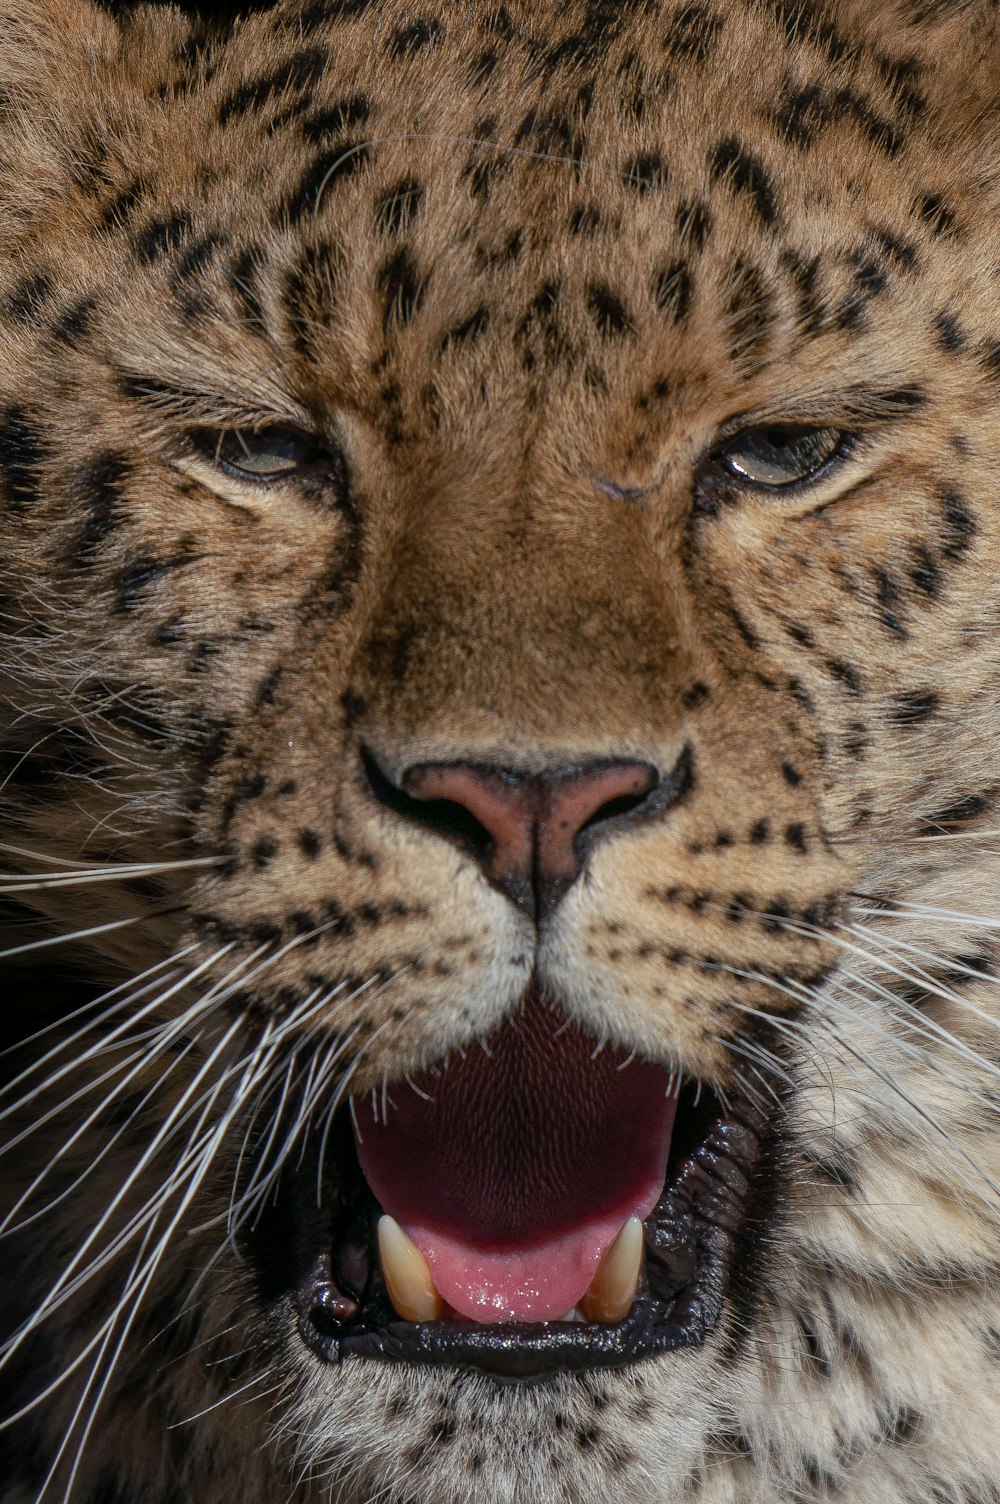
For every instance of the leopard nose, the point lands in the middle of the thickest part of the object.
(530, 833)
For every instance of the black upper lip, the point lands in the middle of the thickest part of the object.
(318, 1259)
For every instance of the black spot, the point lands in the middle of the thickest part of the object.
(23, 450)
(791, 774)
(913, 707)
(775, 915)
(812, 1345)
(468, 331)
(28, 297)
(749, 314)
(268, 687)
(744, 173)
(309, 295)
(401, 287)
(482, 67)
(98, 491)
(167, 633)
(960, 524)
(396, 210)
(837, 1170)
(935, 213)
(902, 1425)
(846, 674)
(303, 71)
(731, 1444)
(988, 355)
(75, 322)
(584, 220)
(924, 571)
(329, 168)
(895, 248)
(645, 171)
(335, 119)
(805, 21)
(263, 852)
(693, 33)
(961, 812)
(810, 312)
(186, 275)
(887, 588)
(310, 844)
(406, 41)
(243, 277)
(140, 573)
(760, 833)
(948, 332)
(742, 626)
(119, 210)
(696, 694)
(859, 110)
(162, 236)
(672, 291)
(801, 113)
(608, 312)
(795, 837)
(694, 223)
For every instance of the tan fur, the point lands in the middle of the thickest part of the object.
(539, 298)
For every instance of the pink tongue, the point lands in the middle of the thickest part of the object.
(515, 1166)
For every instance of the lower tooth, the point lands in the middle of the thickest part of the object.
(613, 1289)
(407, 1277)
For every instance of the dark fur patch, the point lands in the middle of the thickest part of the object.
(746, 176)
(608, 312)
(396, 210)
(401, 287)
(328, 170)
(302, 71)
(24, 448)
(412, 38)
(693, 33)
(335, 119)
(645, 171)
(673, 290)
(99, 494)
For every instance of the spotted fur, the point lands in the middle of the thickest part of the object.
(525, 267)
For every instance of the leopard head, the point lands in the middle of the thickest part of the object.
(498, 586)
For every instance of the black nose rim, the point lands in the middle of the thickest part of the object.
(530, 833)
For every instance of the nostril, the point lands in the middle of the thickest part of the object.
(446, 817)
(592, 796)
(455, 822)
(621, 804)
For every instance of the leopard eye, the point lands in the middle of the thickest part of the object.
(779, 454)
(259, 454)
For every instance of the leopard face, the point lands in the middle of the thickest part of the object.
(499, 672)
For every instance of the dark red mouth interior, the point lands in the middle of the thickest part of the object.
(514, 1166)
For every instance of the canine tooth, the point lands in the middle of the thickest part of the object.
(614, 1286)
(407, 1277)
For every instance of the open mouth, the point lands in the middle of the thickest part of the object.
(536, 1204)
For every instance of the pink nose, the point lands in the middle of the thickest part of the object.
(529, 833)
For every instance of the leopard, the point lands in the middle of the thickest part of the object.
(499, 753)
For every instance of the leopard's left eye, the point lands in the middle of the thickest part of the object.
(258, 454)
(779, 454)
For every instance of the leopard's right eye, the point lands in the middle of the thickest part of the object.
(264, 454)
(780, 454)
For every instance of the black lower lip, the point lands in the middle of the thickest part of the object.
(701, 1242)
